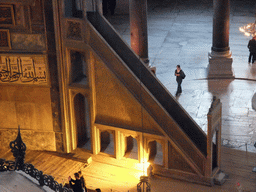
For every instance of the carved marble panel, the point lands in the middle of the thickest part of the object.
(19, 15)
(35, 140)
(74, 30)
(5, 39)
(32, 42)
(6, 15)
(37, 13)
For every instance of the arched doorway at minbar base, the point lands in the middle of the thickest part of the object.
(155, 155)
(131, 150)
(107, 142)
(81, 122)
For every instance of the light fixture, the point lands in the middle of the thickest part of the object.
(143, 185)
(249, 29)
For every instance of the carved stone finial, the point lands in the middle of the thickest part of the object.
(18, 149)
(215, 101)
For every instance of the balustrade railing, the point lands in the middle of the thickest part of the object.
(18, 149)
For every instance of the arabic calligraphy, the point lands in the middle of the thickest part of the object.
(23, 69)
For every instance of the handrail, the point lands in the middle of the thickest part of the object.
(18, 149)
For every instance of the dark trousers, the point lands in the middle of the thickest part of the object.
(179, 89)
(252, 57)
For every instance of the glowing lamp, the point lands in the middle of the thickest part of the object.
(249, 29)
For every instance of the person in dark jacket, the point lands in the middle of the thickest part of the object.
(82, 181)
(75, 184)
(180, 75)
(252, 48)
(108, 5)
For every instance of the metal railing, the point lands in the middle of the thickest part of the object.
(29, 169)
(18, 149)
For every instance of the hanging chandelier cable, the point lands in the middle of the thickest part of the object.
(142, 115)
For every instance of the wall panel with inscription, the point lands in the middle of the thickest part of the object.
(23, 69)
(29, 85)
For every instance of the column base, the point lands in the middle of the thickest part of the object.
(220, 178)
(220, 65)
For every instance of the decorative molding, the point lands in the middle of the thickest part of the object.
(27, 2)
(7, 15)
(74, 30)
(5, 42)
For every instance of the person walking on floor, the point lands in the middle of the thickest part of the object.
(180, 75)
(75, 184)
(252, 49)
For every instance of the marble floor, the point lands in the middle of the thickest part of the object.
(18, 181)
(180, 32)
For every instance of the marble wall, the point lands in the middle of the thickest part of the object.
(34, 140)
(23, 101)
(32, 42)
(29, 107)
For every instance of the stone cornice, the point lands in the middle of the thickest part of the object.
(23, 2)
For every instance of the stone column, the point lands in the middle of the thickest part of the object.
(97, 6)
(138, 28)
(220, 61)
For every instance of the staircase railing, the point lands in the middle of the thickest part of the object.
(168, 102)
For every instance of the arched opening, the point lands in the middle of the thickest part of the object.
(107, 143)
(83, 134)
(155, 153)
(131, 150)
(78, 72)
